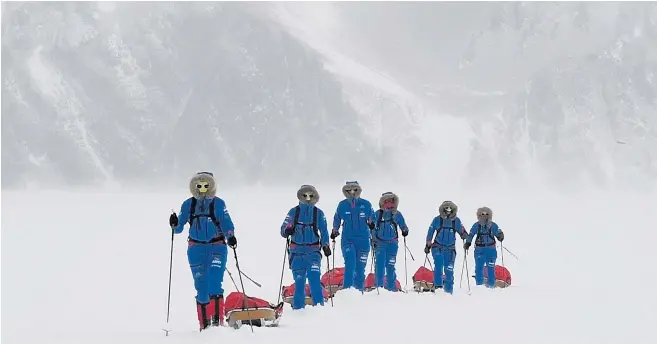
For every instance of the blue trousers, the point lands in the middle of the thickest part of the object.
(208, 263)
(355, 252)
(485, 257)
(385, 254)
(444, 258)
(306, 265)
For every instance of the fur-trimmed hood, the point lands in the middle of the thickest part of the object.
(483, 219)
(308, 189)
(352, 185)
(387, 196)
(444, 206)
(203, 178)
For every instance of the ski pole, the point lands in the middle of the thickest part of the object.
(405, 265)
(467, 271)
(409, 250)
(280, 286)
(328, 269)
(428, 261)
(333, 270)
(248, 312)
(170, 273)
(502, 253)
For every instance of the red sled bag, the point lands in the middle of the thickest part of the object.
(423, 280)
(502, 276)
(288, 294)
(333, 280)
(241, 310)
(371, 285)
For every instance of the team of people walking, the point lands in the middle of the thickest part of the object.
(361, 228)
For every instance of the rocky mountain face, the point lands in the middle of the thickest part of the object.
(561, 92)
(144, 92)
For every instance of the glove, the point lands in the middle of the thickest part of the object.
(371, 225)
(232, 241)
(427, 249)
(500, 236)
(173, 220)
(463, 235)
(327, 250)
(334, 233)
(404, 232)
(374, 244)
(466, 246)
(289, 230)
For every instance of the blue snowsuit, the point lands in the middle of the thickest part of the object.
(206, 250)
(485, 252)
(385, 239)
(442, 236)
(310, 234)
(354, 214)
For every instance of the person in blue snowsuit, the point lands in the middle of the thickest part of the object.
(355, 215)
(210, 229)
(484, 232)
(441, 242)
(385, 240)
(306, 230)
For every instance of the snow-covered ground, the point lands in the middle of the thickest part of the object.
(91, 267)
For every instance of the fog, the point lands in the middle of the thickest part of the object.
(142, 95)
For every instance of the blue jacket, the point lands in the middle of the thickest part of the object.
(442, 232)
(485, 234)
(202, 228)
(353, 214)
(386, 226)
(304, 233)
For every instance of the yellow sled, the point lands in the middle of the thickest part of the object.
(499, 283)
(261, 317)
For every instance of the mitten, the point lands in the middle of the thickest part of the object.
(466, 246)
(371, 225)
(500, 236)
(427, 248)
(334, 234)
(404, 232)
(173, 220)
(327, 250)
(289, 230)
(232, 241)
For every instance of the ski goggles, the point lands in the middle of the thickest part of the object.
(308, 196)
(203, 186)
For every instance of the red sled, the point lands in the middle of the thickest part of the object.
(288, 294)
(423, 280)
(370, 285)
(502, 276)
(241, 310)
(333, 280)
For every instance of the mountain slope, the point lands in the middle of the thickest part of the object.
(135, 92)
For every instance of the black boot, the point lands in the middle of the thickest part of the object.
(218, 315)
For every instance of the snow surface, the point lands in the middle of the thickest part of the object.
(92, 267)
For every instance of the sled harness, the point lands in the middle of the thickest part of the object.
(391, 220)
(193, 216)
(479, 238)
(313, 225)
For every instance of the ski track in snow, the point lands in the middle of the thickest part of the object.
(91, 267)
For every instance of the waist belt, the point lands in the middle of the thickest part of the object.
(435, 244)
(485, 245)
(216, 239)
(292, 243)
